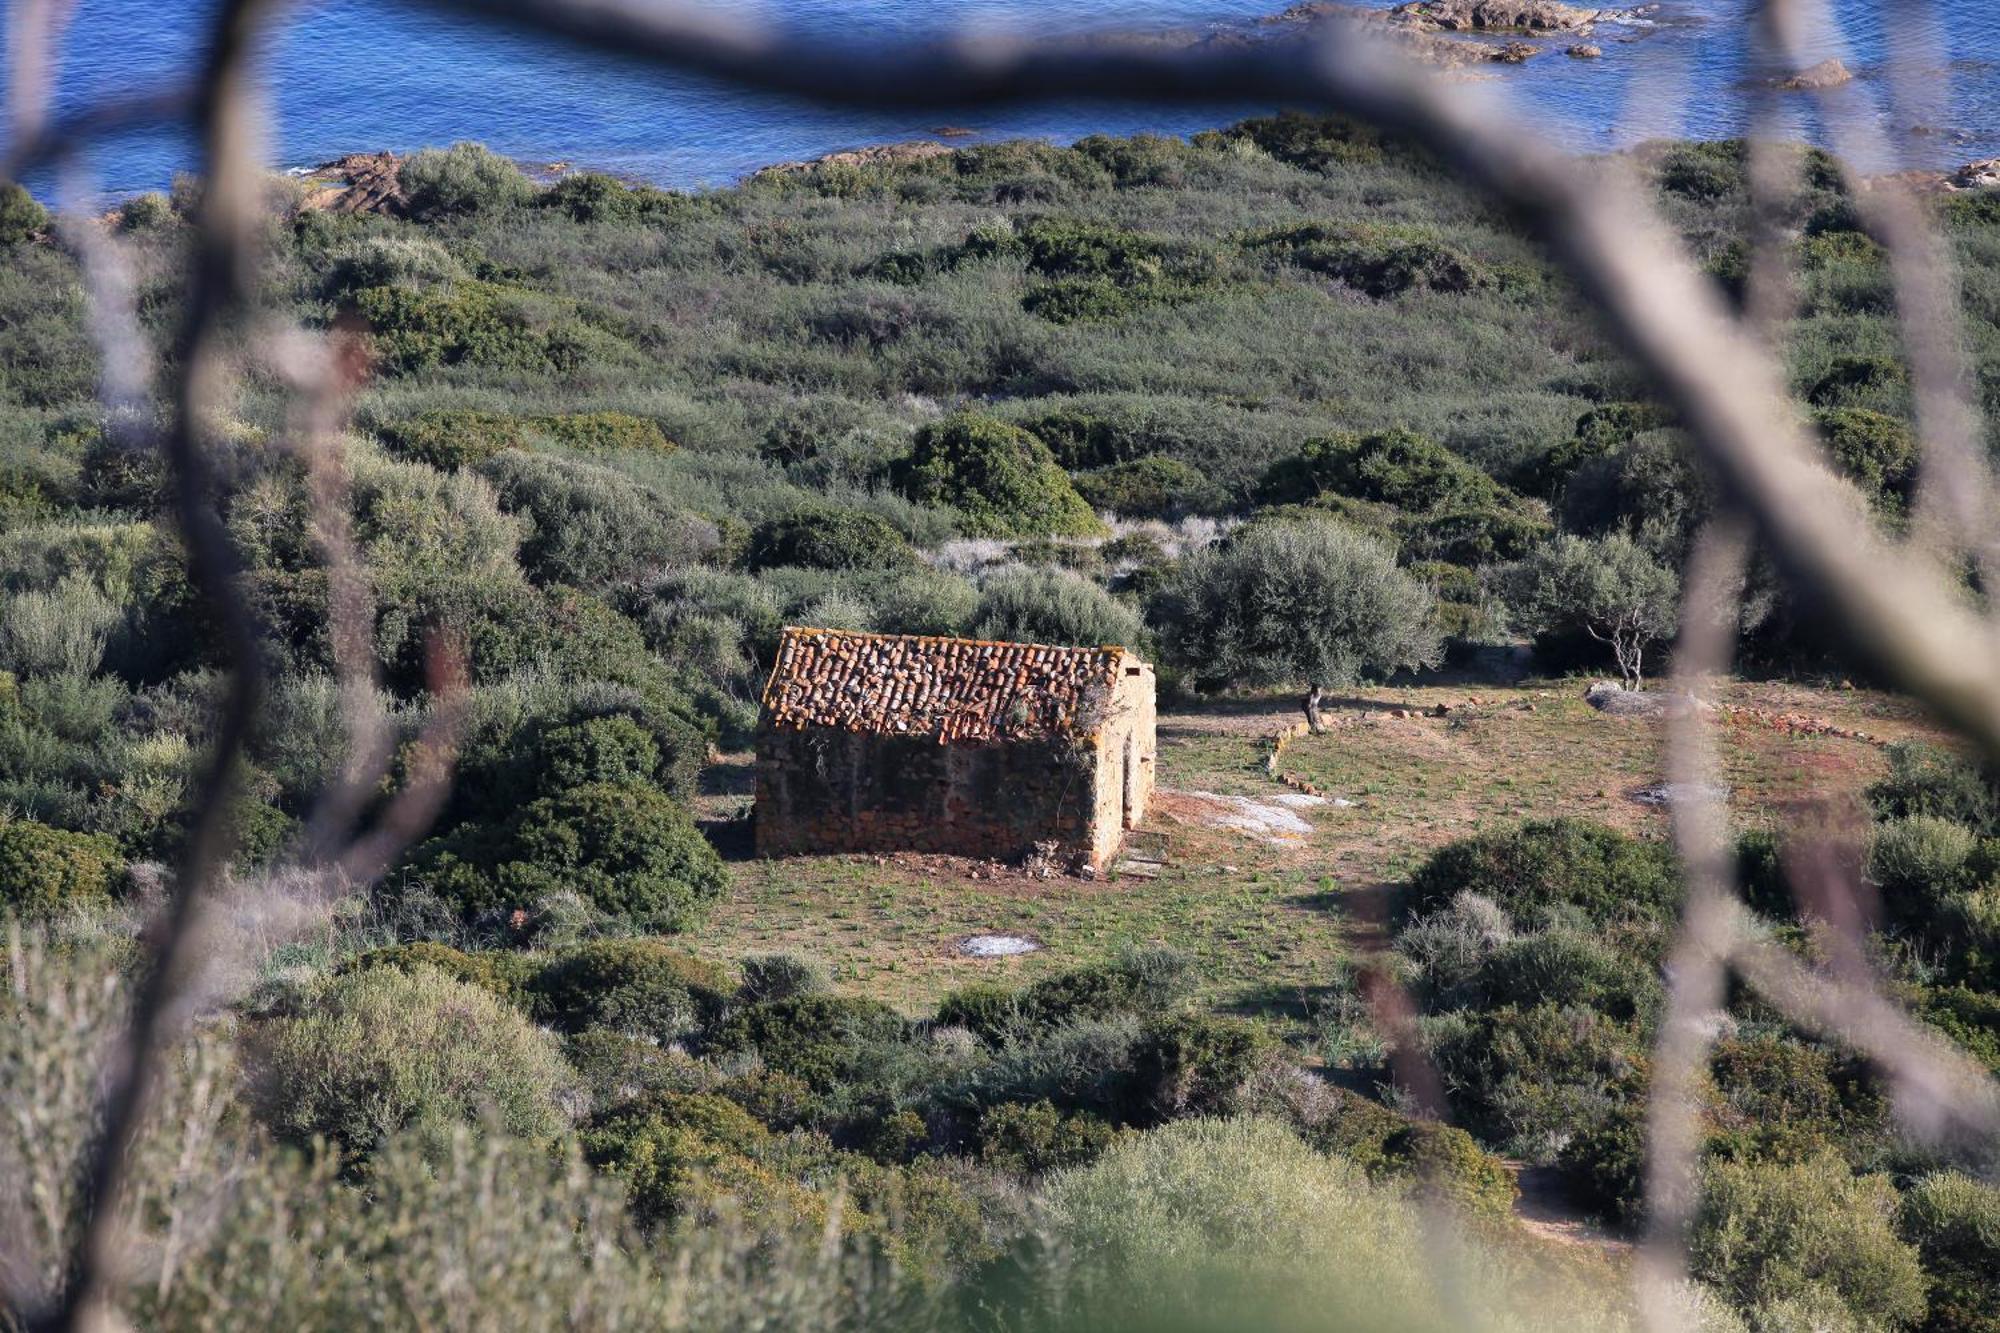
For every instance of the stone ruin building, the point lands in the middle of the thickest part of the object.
(899, 742)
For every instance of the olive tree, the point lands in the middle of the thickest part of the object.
(1608, 588)
(1300, 602)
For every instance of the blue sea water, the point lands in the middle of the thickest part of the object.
(350, 75)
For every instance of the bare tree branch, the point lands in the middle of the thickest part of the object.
(218, 286)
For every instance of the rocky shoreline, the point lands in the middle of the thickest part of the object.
(1453, 35)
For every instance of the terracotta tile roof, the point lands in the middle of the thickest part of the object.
(944, 689)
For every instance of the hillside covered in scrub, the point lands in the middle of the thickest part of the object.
(1281, 407)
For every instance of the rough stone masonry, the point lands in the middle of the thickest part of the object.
(902, 742)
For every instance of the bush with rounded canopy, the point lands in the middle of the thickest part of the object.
(613, 748)
(1212, 1220)
(1003, 479)
(1526, 1080)
(383, 1049)
(822, 1039)
(631, 852)
(591, 525)
(464, 178)
(1151, 487)
(1930, 780)
(1550, 863)
(637, 987)
(1054, 606)
(1442, 1162)
(604, 432)
(826, 537)
(1876, 451)
(503, 972)
(44, 869)
(1397, 467)
(21, 218)
(781, 976)
(1954, 1221)
(1811, 1235)
(1607, 589)
(1040, 1137)
(1311, 603)
(450, 439)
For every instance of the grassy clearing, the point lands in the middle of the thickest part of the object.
(1266, 921)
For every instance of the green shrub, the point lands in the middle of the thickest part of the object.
(44, 870)
(593, 526)
(21, 218)
(1954, 1223)
(640, 988)
(393, 260)
(605, 432)
(1301, 603)
(592, 196)
(1238, 1224)
(381, 1050)
(1309, 142)
(1811, 1233)
(485, 324)
(1784, 1100)
(1544, 864)
(1526, 1080)
(462, 179)
(1035, 1139)
(1441, 1163)
(1565, 967)
(1143, 982)
(1705, 171)
(612, 749)
(1397, 467)
(822, 1039)
(1053, 606)
(1376, 259)
(681, 1155)
(1929, 780)
(1877, 383)
(1192, 1064)
(1447, 1167)
(630, 852)
(454, 439)
(1603, 1165)
(1920, 862)
(63, 631)
(1610, 591)
(1970, 1018)
(501, 972)
(826, 537)
(1600, 433)
(1003, 479)
(1878, 453)
(1150, 487)
(781, 976)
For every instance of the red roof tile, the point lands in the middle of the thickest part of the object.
(943, 689)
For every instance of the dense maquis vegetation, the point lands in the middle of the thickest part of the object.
(1281, 405)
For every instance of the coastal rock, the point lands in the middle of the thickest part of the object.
(1517, 53)
(1826, 74)
(916, 150)
(1977, 175)
(1423, 42)
(1498, 15)
(366, 183)
(1584, 51)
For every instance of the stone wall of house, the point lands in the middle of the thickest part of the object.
(1125, 773)
(827, 790)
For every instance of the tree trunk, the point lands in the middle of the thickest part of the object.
(1314, 721)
